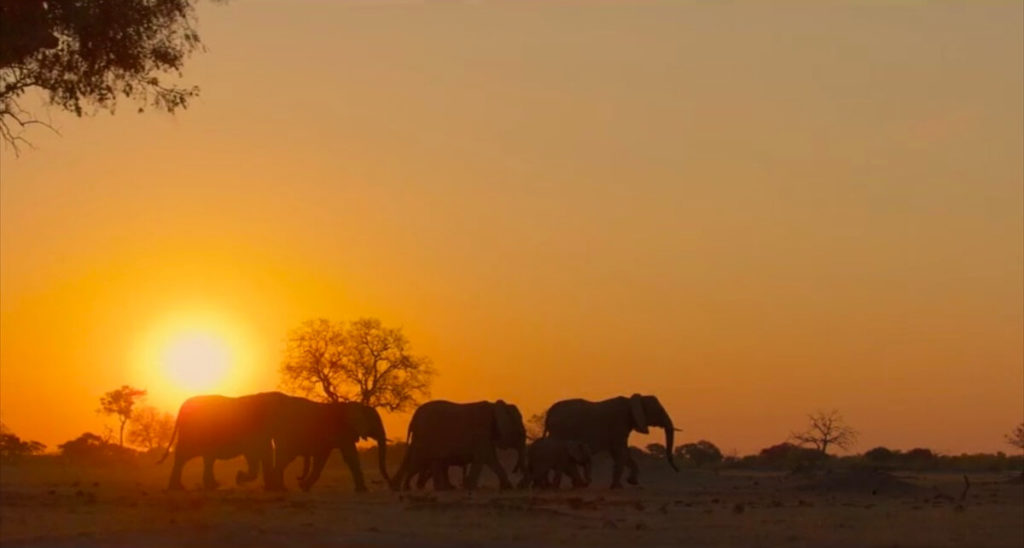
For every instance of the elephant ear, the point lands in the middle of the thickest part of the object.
(503, 421)
(636, 410)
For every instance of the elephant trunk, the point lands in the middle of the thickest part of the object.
(670, 434)
(382, 448)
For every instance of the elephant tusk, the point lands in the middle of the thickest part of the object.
(678, 429)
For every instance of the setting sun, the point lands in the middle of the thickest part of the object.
(191, 352)
(196, 361)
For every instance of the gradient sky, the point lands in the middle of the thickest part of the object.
(751, 212)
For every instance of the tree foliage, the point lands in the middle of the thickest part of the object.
(1016, 437)
(655, 450)
(535, 425)
(700, 453)
(13, 447)
(150, 427)
(86, 55)
(120, 403)
(92, 449)
(826, 428)
(361, 361)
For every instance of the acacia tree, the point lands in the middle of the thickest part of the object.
(361, 361)
(825, 429)
(85, 55)
(150, 427)
(120, 403)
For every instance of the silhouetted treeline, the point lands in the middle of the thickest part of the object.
(790, 457)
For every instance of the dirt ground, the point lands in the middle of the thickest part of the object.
(46, 504)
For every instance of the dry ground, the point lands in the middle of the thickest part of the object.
(52, 504)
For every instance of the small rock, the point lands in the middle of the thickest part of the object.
(738, 508)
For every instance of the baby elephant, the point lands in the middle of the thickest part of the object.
(548, 455)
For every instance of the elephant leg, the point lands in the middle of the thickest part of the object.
(633, 470)
(574, 475)
(282, 459)
(587, 471)
(208, 480)
(618, 461)
(465, 474)
(439, 472)
(266, 458)
(305, 467)
(422, 477)
(319, 460)
(174, 484)
(557, 482)
(491, 460)
(348, 452)
(401, 478)
(252, 460)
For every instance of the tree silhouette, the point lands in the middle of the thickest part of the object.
(535, 425)
(361, 361)
(13, 447)
(700, 453)
(655, 450)
(825, 429)
(150, 428)
(120, 403)
(91, 53)
(1016, 437)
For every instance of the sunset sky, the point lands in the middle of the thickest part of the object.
(752, 212)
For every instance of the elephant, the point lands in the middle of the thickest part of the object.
(443, 433)
(221, 427)
(311, 430)
(605, 426)
(547, 455)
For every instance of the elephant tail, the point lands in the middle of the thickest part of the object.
(170, 442)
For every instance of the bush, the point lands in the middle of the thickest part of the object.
(882, 455)
(13, 448)
(789, 456)
(92, 449)
(700, 454)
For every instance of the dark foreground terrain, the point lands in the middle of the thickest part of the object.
(44, 504)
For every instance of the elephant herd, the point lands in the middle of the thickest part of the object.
(271, 429)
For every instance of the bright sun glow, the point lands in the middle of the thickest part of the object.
(193, 352)
(197, 361)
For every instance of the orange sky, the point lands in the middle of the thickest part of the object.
(750, 212)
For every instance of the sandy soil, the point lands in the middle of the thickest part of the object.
(52, 504)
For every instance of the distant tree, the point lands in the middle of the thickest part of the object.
(12, 447)
(656, 450)
(535, 425)
(880, 454)
(90, 53)
(361, 361)
(120, 403)
(788, 455)
(701, 453)
(150, 428)
(1016, 437)
(826, 429)
(93, 449)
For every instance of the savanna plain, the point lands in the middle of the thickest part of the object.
(47, 502)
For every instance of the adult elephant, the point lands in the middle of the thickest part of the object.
(312, 430)
(605, 426)
(220, 427)
(443, 433)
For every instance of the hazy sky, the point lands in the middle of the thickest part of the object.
(751, 212)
